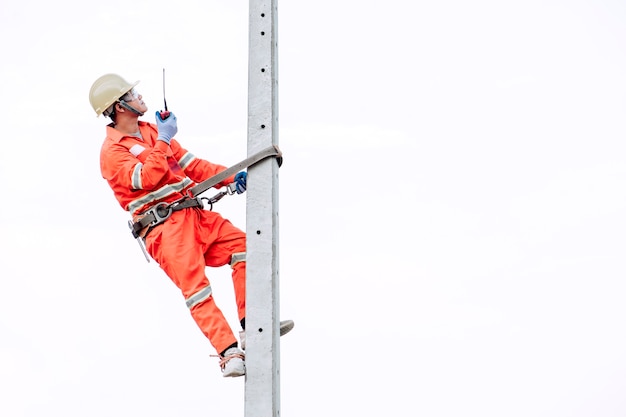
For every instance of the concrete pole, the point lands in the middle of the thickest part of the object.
(262, 392)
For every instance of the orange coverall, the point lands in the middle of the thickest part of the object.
(145, 171)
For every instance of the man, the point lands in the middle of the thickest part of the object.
(150, 172)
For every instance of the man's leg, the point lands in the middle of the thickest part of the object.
(179, 252)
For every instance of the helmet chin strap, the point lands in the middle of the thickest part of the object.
(129, 107)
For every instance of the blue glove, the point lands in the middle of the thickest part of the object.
(167, 128)
(240, 182)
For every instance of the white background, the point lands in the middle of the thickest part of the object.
(451, 208)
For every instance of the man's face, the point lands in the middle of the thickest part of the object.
(134, 99)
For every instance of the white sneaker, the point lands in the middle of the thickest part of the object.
(232, 363)
(285, 327)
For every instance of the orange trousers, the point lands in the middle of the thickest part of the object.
(188, 242)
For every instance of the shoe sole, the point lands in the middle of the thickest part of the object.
(234, 374)
(286, 326)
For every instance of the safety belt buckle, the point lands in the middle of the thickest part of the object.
(161, 212)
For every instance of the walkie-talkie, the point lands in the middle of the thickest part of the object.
(164, 114)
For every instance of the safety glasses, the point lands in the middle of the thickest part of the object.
(130, 96)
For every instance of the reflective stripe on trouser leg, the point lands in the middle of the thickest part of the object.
(237, 257)
(198, 297)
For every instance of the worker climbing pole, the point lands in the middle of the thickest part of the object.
(159, 183)
(262, 393)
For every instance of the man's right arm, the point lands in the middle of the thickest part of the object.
(123, 169)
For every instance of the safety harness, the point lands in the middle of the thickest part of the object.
(160, 212)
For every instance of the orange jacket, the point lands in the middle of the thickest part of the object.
(144, 172)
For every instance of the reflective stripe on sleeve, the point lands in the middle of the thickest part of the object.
(136, 177)
(237, 257)
(186, 160)
(198, 297)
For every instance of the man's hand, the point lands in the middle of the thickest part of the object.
(241, 180)
(167, 128)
